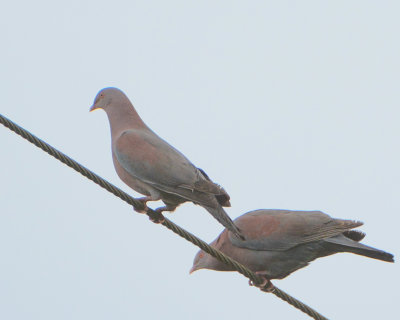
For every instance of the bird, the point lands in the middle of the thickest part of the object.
(279, 242)
(154, 168)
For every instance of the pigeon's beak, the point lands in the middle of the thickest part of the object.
(93, 107)
(193, 269)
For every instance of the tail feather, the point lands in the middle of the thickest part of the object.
(223, 218)
(341, 243)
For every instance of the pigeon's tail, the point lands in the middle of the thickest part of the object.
(223, 218)
(342, 243)
(355, 235)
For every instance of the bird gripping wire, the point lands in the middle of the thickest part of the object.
(155, 215)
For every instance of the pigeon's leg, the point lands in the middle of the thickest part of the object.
(167, 207)
(266, 285)
(143, 200)
(160, 218)
(156, 218)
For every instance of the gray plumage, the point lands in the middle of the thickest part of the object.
(154, 168)
(279, 242)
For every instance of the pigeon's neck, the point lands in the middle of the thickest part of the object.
(124, 118)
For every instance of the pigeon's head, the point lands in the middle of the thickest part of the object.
(106, 96)
(203, 260)
(200, 261)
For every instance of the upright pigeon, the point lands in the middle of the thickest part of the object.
(152, 167)
(279, 242)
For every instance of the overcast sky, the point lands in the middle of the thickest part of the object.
(286, 104)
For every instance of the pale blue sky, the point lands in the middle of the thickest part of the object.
(287, 104)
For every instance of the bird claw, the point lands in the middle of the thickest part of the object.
(154, 216)
(144, 201)
(141, 211)
(265, 286)
(268, 287)
(159, 218)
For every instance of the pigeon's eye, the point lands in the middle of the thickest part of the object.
(98, 98)
(201, 255)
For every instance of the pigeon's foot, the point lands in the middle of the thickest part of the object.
(154, 215)
(266, 285)
(156, 218)
(143, 200)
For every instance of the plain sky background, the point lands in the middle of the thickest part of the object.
(287, 104)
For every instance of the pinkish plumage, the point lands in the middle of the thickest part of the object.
(279, 242)
(154, 168)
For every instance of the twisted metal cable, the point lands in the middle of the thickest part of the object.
(139, 206)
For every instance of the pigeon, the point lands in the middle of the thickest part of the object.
(152, 167)
(279, 242)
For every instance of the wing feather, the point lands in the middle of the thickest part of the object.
(152, 160)
(279, 230)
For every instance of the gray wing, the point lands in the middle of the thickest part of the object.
(278, 230)
(152, 160)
